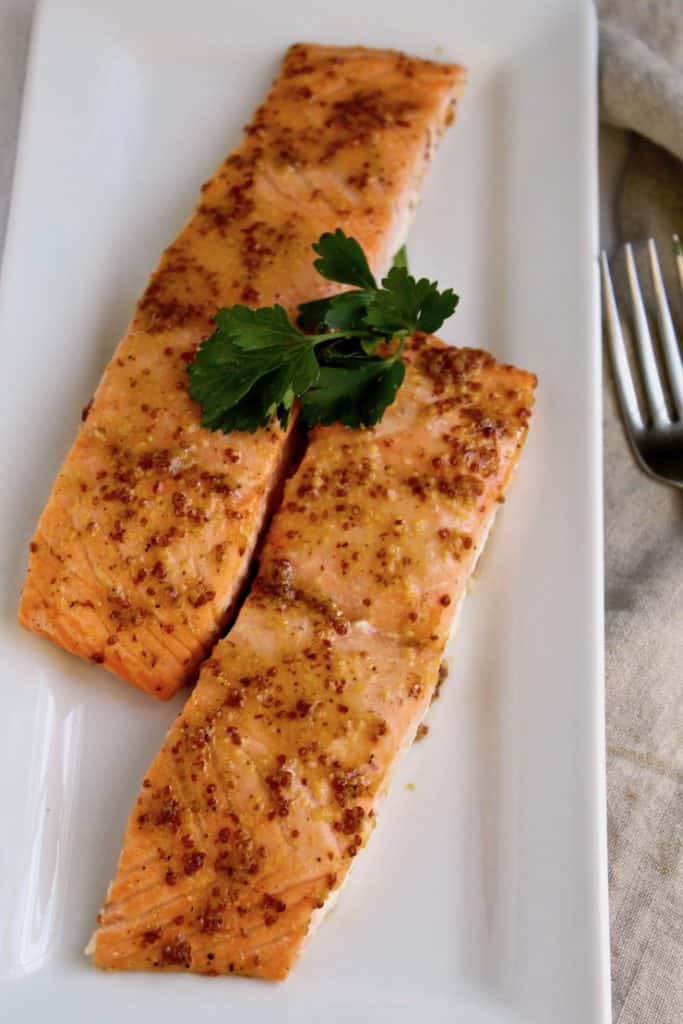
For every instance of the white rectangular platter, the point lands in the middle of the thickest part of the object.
(482, 896)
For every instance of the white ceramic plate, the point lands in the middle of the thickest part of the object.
(482, 896)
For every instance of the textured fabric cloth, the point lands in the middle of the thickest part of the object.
(641, 90)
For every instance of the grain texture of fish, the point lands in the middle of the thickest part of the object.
(145, 542)
(268, 784)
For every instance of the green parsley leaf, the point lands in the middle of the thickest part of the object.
(243, 388)
(342, 260)
(400, 258)
(311, 315)
(354, 395)
(404, 304)
(257, 328)
(257, 362)
(346, 312)
(340, 312)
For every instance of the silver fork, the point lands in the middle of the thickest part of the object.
(656, 431)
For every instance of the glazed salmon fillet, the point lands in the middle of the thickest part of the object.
(144, 546)
(268, 784)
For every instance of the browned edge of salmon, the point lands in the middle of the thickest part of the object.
(144, 545)
(268, 784)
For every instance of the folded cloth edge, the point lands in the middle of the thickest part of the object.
(639, 89)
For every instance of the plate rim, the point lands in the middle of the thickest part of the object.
(598, 859)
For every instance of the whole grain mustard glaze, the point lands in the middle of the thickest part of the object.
(268, 784)
(148, 534)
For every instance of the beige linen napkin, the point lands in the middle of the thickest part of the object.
(641, 90)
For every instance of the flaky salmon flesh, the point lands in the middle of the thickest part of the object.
(144, 546)
(268, 784)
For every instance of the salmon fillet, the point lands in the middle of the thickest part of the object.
(268, 783)
(143, 548)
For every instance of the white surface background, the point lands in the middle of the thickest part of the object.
(561, 853)
(15, 25)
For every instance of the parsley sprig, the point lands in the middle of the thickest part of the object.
(342, 359)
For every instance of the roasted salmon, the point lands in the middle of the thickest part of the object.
(268, 783)
(144, 546)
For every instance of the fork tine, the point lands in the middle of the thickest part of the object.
(644, 347)
(668, 338)
(678, 256)
(617, 349)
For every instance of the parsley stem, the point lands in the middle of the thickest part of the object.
(317, 339)
(399, 351)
